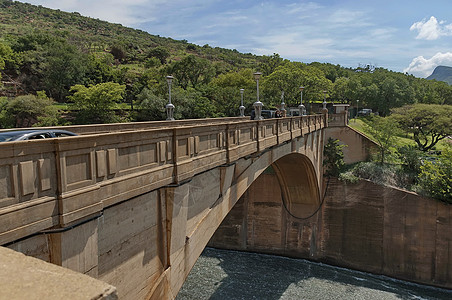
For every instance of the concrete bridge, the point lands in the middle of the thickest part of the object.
(135, 204)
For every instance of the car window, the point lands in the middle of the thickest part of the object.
(62, 134)
(7, 138)
(43, 135)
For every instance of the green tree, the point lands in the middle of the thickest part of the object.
(224, 91)
(151, 107)
(192, 69)
(333, 157)
(435, 178)
(159, 52)
(64, 66)
(269, 63)
(429, 123)
(96, 103)
(383, 131)
(29, 110)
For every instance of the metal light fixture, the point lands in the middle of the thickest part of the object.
(258, 105)
(301, 107)
(242, 108)
(283, 105)
(324, 100)
(169, 107)
(357, 109)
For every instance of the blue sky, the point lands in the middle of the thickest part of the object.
(404, 36)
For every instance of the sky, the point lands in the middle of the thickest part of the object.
(412, 36)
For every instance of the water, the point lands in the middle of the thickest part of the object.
(224, 274)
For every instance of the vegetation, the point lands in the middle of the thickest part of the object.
(110, 73)
(53, 51)
(333, 160)
(429, 124)
(95, 104)
(435, 178)
(384, 131)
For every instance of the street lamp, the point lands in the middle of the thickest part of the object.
(283, 108)
(324, 100)
(169, 107)
(242, 108)
(357, 109)
(301, 107)
(258, 105)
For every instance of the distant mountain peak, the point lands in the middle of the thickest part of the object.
(442, 73)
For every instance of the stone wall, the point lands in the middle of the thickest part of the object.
(362, 226)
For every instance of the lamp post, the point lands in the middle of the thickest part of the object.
(324, 100)
(357, 109)
(258, 105)
(283, 105)
(242, 108)
(301, 107)
(169, 107)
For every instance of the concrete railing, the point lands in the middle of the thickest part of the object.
(59, 182)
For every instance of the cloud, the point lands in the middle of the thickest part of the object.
(431, 29)
(423, 67)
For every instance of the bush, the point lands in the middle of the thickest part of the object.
(27, 111)
(95, 104)
(435, 179)
(333, 157)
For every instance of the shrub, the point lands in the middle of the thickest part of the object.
(333, 157)
(435, 179)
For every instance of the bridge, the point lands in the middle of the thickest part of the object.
(135, 204)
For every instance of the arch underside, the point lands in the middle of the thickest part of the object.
(298, 180)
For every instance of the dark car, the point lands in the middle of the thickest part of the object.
(33, 134)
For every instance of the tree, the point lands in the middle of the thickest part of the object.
(192, 69)
(435, 178)
(333, 157)
(224, 91)
(383, 131)
(27, 111)
(64, 66)
(95, 103)
(429, 123)
(159, 52)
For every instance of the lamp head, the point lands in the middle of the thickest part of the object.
(257, 75)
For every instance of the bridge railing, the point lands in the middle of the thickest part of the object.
(57, 182)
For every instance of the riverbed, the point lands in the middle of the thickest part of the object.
(226, 274)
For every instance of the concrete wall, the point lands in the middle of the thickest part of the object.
(359, 147)
(362, 226)
(25, 277)
(146, 241)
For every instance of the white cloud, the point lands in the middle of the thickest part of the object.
(423, 67)
(431, 29)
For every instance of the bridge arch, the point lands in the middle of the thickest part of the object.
(146, 200)
(299, 184)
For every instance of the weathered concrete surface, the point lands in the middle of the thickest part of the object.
(361, 226)
(359, 147)
(136, 209)
(24, 277)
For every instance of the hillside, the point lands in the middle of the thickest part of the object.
(18, 19)
(47, 53)
(442, 73)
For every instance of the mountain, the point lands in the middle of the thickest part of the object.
(442, 73)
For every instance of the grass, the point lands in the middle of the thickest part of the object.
(401, 140)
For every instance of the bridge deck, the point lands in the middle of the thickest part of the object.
(56, 182)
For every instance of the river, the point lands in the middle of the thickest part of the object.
(225, 274)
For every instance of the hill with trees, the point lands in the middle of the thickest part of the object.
(67, 58)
